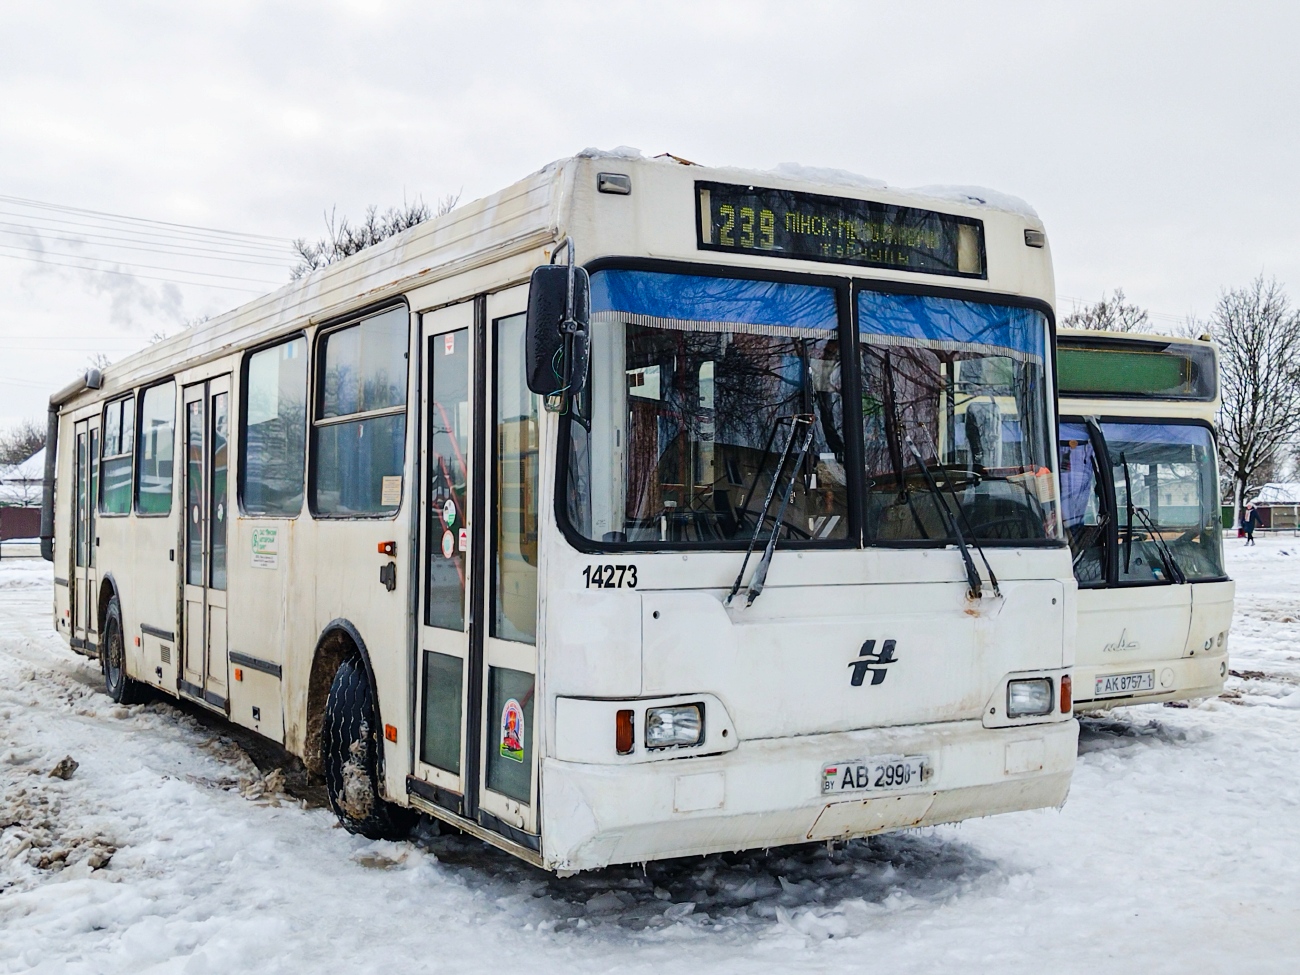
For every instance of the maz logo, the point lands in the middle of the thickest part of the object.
(871, 662)
(1121, 644)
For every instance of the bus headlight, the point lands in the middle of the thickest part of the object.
(1029, 697)
(681, 724)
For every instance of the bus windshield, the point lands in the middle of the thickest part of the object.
(697, 381)
(962, 384)
(1165, 511)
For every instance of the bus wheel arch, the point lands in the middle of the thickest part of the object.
(337, 642)
(107, 591)
(120, 687)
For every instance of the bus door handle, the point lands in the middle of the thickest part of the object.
(388, 575)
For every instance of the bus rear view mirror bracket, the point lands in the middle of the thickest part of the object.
(557, 339)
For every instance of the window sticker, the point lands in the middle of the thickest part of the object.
(391, 493)
(449, 512)
(266, 548)
(464, 539)
(512, 731)
(448, 544)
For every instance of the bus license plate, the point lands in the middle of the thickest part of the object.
(1113, 684)
(873, 774)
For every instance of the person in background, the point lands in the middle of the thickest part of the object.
(1250, 522)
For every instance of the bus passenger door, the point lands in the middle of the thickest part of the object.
(477, 744)
(85, 624)
(508, 596)
(207, 503)
(444, 639)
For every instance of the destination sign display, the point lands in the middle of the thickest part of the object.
(812, 227)
(1134, 369)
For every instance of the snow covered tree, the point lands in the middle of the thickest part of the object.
(20, 441)
(1258, 336)
(343, 239)
(1114, 314)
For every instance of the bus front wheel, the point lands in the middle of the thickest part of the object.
(112, 656)
(350, 749)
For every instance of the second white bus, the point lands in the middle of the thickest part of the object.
(1139, 481)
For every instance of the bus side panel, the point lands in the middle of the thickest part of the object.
(148, 579)
(260, 565)
(348, 586)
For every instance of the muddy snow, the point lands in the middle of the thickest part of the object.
(167, 849)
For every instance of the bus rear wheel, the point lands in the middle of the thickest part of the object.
(112, 658)
(350, 749)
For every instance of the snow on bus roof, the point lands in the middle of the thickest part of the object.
(979, 196)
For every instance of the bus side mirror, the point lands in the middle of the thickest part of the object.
(557, 338)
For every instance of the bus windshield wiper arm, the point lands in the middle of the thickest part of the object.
(1166, 556)
(1129, 506)
(808, 421)
(975, 586)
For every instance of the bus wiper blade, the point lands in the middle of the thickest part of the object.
(1166, 556)
(807, 421)
(1128, 502)
(975, 585)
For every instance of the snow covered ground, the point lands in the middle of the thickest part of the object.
(1178, 851)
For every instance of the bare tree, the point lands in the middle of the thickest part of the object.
(1258, 335)
(20, 441)
(343, 239)
(1114, 314)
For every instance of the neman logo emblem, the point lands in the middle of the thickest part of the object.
(869, 661)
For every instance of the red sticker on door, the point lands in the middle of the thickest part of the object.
(512, 731)
(449, 343)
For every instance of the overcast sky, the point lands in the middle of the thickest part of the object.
(1158, 140)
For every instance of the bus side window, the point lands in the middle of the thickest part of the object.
(115, 470)
(360, 418)
(156, 447)
(273, 449)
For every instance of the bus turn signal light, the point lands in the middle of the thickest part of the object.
(388, 548)
(390, 732)
(624, 732)
(1067, 695)
(239, 673)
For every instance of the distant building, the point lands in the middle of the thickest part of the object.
(20, 484)
(1278, 505)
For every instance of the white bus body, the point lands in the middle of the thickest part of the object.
(512, 641)
(1147, 632)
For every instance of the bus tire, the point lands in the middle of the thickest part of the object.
(350, 752)
(112, 659)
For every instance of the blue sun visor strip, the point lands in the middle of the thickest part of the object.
(698, 303)
(951, 325)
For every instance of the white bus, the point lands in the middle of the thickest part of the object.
(725, 587)
(1140, 493)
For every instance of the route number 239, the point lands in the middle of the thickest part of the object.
(610, 576)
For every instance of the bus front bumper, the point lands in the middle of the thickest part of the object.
(1183, 679)
(767, 792)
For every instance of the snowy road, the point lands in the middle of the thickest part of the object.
(1178, 851)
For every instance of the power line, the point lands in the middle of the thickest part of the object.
(177, 251)
(40, 205)
(148, 277)
(149, 267)
(149, 235)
